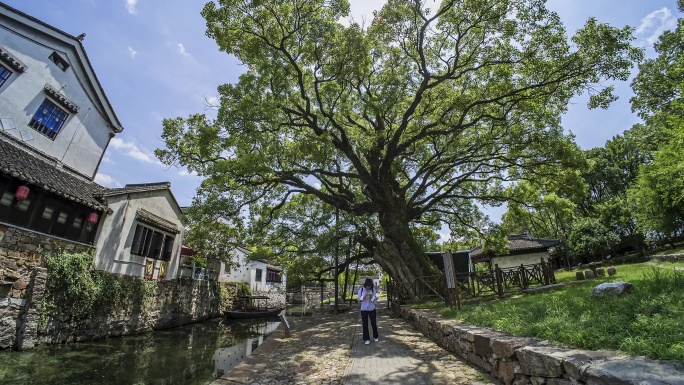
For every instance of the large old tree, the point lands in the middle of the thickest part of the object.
(407, 118)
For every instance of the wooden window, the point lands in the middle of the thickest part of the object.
(152, 244)
(258, 275)
(59, 61)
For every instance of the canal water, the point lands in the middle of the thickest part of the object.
(192, 354)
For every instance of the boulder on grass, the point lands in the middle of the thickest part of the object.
(579, 275)
(611, 271)
(600, 272)
(611, 288)
(589, 274)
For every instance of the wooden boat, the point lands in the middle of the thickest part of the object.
(253, 307)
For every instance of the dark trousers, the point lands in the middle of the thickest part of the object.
(365, 314)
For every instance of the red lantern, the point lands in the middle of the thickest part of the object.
(22, 193)
(92, 218)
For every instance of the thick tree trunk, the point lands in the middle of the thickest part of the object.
(399, 254)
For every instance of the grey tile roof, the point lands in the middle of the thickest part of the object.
(145, 216)
(521, 242)
(135, 188)
(42, 171)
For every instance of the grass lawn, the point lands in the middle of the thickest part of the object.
(649, 321)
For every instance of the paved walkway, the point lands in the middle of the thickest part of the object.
(328, 349)
(384, 362)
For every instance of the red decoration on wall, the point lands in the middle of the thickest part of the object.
(92, 218)
(22, 193)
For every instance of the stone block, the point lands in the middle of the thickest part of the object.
(600, 272)
(579, 275)
(559, 381)
(589, 274)
(505, 346)
(538, 380)
(539, 361)
(506, 371)
(635, 370)
(479, 362)
(576, 362)
(612, 271)
(612, 288)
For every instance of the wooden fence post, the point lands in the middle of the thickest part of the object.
(545, 272)
(498, 276)
(523, 275)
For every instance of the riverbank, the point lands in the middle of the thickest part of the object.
(325, 349)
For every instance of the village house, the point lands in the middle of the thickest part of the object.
(55, 125)
(523, 249)
(260, 275)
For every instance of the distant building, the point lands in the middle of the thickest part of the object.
(523, 249)
(260, 275)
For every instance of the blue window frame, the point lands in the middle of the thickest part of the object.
(49, 119)
(4, 75)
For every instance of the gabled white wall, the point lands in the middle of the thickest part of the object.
(244, 271)
(115, 237)
(517, 260)
(83, 139)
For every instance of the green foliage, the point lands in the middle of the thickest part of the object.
(647, 321)
(198, 261)
(384, 122)
(74, 290)
(589, 238)
(208, 234)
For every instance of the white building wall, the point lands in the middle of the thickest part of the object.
(115, 237)
(517, 260)
(243, 271)
(83, 139)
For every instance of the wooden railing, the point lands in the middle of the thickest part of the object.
(498, 282)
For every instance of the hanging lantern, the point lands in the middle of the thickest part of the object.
(22, 193)
(92, 218)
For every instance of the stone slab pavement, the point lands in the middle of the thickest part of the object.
(328, 349)
(404, 356)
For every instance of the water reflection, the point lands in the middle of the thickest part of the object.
(192, 354)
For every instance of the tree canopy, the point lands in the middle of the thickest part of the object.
(411, 119)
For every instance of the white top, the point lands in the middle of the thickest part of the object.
(367, 302)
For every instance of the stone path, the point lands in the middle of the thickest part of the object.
(328, 349)
(404, 356)
(384, 362)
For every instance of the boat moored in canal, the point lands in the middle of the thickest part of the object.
(253, 306)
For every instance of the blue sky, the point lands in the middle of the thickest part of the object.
(154, 61)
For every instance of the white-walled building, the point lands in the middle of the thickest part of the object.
(55, 125)
(143, 235)
(261, 276)
(50, 97)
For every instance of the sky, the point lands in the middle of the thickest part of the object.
(154, 61)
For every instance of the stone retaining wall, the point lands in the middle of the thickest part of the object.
(518, 361)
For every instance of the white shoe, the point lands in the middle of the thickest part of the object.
(367, 342)
(375, 339)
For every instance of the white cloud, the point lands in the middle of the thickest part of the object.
(181, 49)
(107, 159)
(106, 180)
(130, 6)
(213, 101)
(185, 172)
(654, 24)
(132, 52)
(131, 149)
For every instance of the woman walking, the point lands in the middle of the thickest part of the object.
(367, 296)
